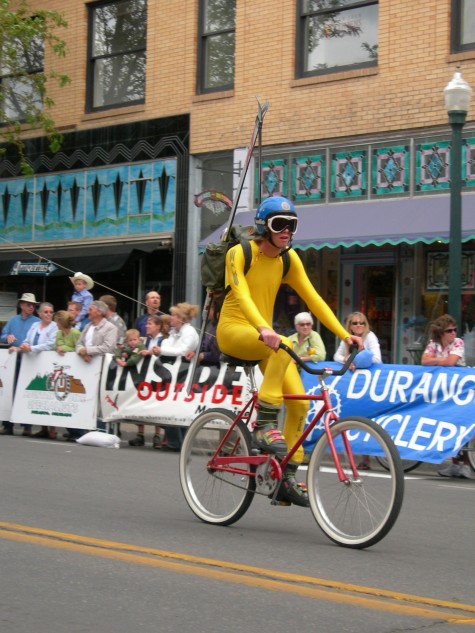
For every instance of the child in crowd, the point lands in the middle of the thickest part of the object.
(129, 353)
(82, 284)
(67, 335)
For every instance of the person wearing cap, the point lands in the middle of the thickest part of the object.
(306, 342)
(14, 333)
(82, 284)
(16, 328)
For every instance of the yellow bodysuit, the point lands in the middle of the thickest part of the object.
(250, 304)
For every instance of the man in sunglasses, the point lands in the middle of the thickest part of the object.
(245, 331)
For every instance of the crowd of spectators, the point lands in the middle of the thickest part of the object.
(93, 328)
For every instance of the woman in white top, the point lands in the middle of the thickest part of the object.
(41, 337)
(357, 324)
(183, 337)
(182, 340)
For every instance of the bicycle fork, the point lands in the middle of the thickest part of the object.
(329, 417)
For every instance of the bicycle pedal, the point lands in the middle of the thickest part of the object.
(277, 502)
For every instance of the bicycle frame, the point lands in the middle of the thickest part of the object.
(229, 464)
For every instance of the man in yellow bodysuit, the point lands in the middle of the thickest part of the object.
(245, 331)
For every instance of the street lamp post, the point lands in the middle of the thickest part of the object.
(457, 95)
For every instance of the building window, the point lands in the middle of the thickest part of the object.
(335, 35)
(463, 25)
(22, 79)
(217, 24)
(117, 54)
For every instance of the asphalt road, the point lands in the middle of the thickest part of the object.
(95, 539)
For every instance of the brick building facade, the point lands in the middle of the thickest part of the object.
(356, 133)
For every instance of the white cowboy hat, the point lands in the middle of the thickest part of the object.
(86, 278)
(28, 297)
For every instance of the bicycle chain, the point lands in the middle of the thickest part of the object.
(255, 492)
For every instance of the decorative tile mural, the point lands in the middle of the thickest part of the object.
(468, 161)
(308, 177)
(273, 178)
(349, 176)
(390, 172)
(433, 166)
(113, 201)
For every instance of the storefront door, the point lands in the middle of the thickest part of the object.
(374, 296)
(369, 286)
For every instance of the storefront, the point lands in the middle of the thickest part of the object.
(113, 204)
(388, 259)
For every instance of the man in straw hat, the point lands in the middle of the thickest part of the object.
(14, 333)
(82, 284)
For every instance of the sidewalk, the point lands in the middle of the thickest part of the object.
(128, 431)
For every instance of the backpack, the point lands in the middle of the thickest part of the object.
(214, 258)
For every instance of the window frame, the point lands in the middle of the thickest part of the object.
(92, 59)
(456, 30)
(203, 38)
(300, 38)
(30, 71)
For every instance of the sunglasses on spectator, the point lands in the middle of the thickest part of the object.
(449, 330)
(279, 223)
(358, 323)
(307, 324)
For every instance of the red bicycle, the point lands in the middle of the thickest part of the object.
(221, 471)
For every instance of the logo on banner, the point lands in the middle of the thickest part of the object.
(57, 385)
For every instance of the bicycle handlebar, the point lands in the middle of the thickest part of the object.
(324, 370)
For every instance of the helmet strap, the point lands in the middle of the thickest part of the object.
(268, 237)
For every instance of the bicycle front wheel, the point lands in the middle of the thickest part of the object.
(216, 496)
(359, 511)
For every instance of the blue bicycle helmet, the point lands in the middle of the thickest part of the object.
(272, 206)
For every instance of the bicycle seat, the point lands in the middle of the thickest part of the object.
(231, 360)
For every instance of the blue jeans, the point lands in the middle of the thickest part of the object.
(175, 435)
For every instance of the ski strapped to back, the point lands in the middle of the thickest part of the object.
(256, 134)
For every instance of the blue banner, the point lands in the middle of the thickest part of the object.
(428, 411)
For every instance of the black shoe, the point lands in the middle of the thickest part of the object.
(169, 449)
(157, 442)
(137, 441)
(292, 490)
(6, 430)
(266, 435)
(270, 440)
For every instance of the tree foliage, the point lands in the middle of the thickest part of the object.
(25, 101)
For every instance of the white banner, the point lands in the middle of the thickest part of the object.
(153, 392)
(7, 381)
(55, 390)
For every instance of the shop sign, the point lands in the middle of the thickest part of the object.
(32, 268)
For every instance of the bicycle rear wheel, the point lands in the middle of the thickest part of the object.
(217, 497)
(359, 511)
(407, 464)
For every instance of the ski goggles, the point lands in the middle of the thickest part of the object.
(278, 223)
